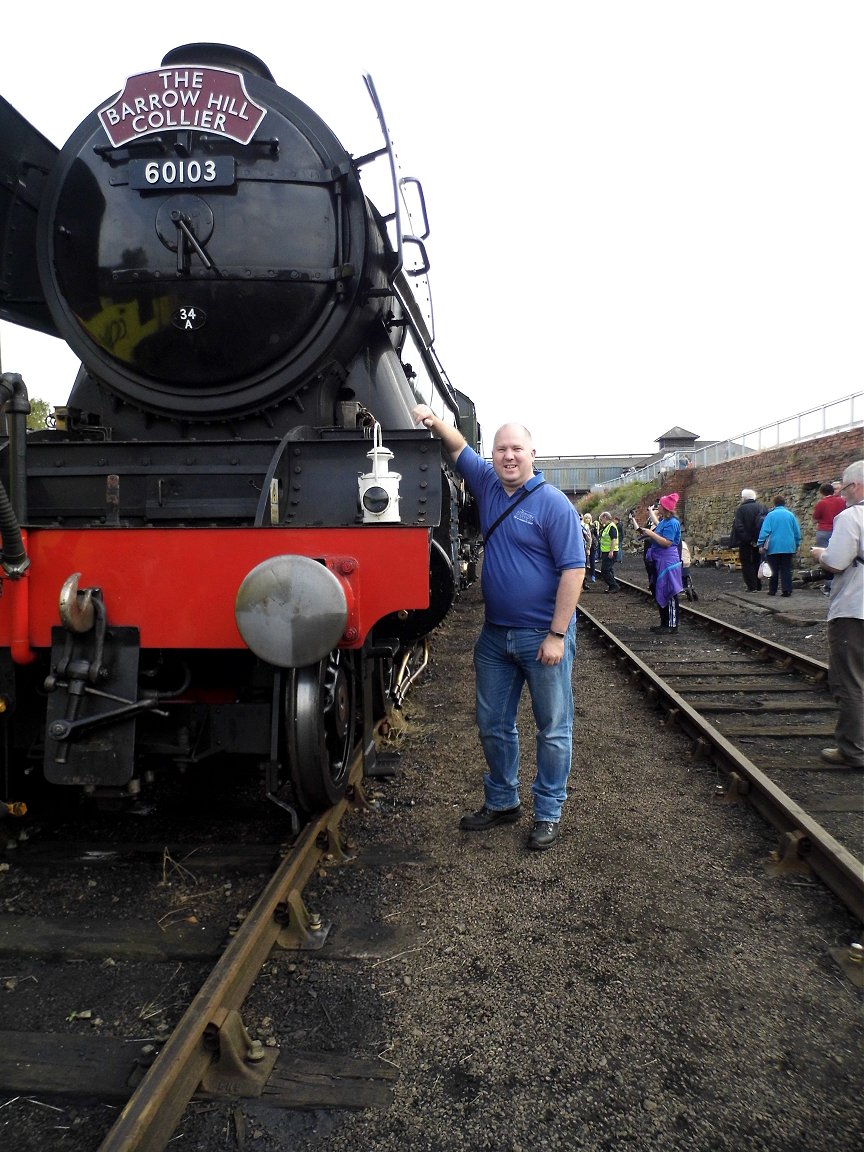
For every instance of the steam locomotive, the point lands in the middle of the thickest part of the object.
(232, 541)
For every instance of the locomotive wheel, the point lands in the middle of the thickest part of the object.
(320, 720)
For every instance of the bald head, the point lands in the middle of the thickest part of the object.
(513, 456)
(519, 431)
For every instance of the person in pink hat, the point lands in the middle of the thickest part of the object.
(663, 556)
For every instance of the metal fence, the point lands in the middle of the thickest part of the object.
(835, 416)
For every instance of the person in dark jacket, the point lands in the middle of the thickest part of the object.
(745, 532)
(592, 547)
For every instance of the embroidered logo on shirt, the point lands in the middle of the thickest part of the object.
(526, 517)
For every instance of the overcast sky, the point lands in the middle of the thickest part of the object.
(643, 214)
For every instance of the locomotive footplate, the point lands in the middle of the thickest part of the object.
(90, 727)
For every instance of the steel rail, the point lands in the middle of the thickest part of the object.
(835, 865)
(788, 657)
(152, 1113)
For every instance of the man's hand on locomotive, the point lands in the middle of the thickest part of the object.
(423, 414)
(451, 437)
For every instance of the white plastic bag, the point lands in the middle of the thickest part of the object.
(765, 572)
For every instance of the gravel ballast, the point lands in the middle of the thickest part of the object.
(646, 984)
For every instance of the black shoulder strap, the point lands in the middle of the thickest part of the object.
(511, 507)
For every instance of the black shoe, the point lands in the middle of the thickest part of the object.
(487, 818)
(543, 835)
(787, 593)
(660, 629)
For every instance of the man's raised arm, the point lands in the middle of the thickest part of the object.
(451, 437)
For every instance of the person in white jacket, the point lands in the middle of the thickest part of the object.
(844, 556)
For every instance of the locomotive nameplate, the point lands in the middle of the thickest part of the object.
(211, 100)
(154, 175)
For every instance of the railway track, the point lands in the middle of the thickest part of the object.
(207, 1053)
(760, 712)
(716, 684)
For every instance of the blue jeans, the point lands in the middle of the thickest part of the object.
(505, 659)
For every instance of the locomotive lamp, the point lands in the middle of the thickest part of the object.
(379, 489)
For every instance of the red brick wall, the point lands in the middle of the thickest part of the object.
(709, 496)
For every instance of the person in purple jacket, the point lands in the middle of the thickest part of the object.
(664, 565)
(532, 576)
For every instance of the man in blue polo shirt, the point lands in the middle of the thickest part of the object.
(532, 575)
